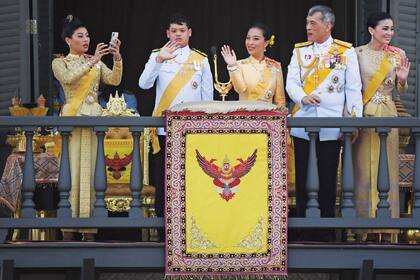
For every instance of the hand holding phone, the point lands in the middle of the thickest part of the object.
(114, 46)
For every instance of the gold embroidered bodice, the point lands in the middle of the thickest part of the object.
(69, 71)
(250, 74)
(369, 61)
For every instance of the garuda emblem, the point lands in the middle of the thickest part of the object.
(226, 177)
(117, 165)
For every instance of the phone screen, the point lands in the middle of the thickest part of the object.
(114, 37)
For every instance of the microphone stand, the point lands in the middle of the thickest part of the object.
(222, 88)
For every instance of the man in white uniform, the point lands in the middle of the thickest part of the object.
(323, 80)
(181, 75)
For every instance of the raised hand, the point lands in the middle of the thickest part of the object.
(101, 50)
(229, 55)
(402, 70)
(167, 52)
(114, 48)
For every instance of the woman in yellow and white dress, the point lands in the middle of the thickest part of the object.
(256, 77)
(80, 75)
(382, 68)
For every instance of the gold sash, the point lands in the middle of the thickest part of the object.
(377, 78)
(319, 75)
(180, 79)
(73, 105)
(263, 84)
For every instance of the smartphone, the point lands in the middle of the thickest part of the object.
(114, 37)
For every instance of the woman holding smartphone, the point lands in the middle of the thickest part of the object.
(80, 74)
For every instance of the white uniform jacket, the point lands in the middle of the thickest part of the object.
(199, 88)
(342, 86)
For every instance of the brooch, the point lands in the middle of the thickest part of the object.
(194, 85)
(268, 94)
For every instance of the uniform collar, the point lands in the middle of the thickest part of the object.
(324, 45)
(183, 51)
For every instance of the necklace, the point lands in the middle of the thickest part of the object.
(374, 56)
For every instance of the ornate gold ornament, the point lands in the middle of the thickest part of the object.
(118, 204)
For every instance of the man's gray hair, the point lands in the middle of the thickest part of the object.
(326, 13)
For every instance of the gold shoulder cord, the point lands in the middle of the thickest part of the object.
(309, 67)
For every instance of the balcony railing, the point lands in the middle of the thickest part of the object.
(150, 255)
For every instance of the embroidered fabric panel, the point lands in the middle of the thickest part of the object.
(226, 193)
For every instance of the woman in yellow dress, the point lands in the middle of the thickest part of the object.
(382, 68)
(80, 75)
(256, 77)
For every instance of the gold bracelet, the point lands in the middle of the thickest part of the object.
(232, 68)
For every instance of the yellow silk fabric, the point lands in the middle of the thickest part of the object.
(377, 79)
(85, 84)
(226, 223)
(180, 79)
(263, 85)
(123, 147)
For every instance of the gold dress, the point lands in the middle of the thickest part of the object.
(377, 103)
(80, 83)
(255, 80)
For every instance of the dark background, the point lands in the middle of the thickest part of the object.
(142, 27)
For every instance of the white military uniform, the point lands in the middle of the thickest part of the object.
(342, 85)
(199, 88)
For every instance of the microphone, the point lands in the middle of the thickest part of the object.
(213, 50)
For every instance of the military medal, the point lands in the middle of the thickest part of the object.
(327, 61)
(194, 85)
(332, 62)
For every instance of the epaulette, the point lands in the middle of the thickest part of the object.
(303, 44)
(156, 50)
(343, 44)
(200, 52)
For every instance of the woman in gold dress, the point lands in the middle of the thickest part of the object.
(382, 68)
(256, 77)
(80, 75)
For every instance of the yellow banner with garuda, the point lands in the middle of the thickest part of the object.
(226, 190)
(118, 157)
